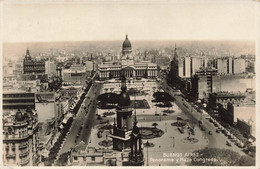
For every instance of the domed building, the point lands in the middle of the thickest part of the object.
(20, 138)
(127, 66)
(127, 47)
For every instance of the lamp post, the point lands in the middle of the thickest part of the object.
(173, 144)
(165, 127)
(147, 145)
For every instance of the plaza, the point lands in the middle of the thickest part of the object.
(171, 141)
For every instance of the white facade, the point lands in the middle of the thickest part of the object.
(127, 66)
(239, 65)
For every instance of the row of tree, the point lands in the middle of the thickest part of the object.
(57, 145)
(220, 157)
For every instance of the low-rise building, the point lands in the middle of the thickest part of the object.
(82, 155)
(236, 113)
(18, 100)
(224, 98)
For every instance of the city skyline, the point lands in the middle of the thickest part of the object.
(93, 21)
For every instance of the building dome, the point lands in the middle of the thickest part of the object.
(19, 116)
(124, 99)
(127, 44)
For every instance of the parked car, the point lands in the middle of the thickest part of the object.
(228, 144)
(202, 128)
(181, 130)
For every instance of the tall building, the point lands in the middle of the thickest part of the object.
(184, 68)
(239, 65)
(50, 68)
(209, 81)
(204, 82)
(31, 66)
(230, 65)
(128, 66)
(175, 64)
(123, 126)
(188, 66)
(20, 138)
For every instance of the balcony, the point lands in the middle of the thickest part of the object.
(23, 146)
(10, 155)
(6, 148)
(24, 162)
(13, 137)
(23, 154)
(13, 147)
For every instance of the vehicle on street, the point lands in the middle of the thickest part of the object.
(181, 130)
(228, 144)
(202, 128)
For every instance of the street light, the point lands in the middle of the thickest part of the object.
(147, 145)
(165, 127)
(173, 144)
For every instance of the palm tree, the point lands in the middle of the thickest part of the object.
(154, 125)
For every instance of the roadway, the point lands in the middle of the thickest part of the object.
(85, 119)
(216, 140)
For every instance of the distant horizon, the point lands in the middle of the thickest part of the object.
(123, 40)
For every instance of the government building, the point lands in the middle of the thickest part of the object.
(127, 66)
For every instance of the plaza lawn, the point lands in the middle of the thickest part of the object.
(140, 104)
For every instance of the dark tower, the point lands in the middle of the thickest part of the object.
(122, 129)
(136, 157)
(174, 71)
(27, 55)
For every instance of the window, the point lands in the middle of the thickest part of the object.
(75, 158)
(93, 158)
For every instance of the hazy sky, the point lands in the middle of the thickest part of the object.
(207, 20)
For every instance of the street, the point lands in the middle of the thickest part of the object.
(216, 140)
(87, 120)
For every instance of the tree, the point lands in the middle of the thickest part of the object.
(162, 97)
(221, 157)
(63, 160)
(154, 125)
(246, 161)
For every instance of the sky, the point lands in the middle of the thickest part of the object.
(171, 20)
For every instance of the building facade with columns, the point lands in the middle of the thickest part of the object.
(128, 66)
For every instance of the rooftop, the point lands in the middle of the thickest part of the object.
(228, 94)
